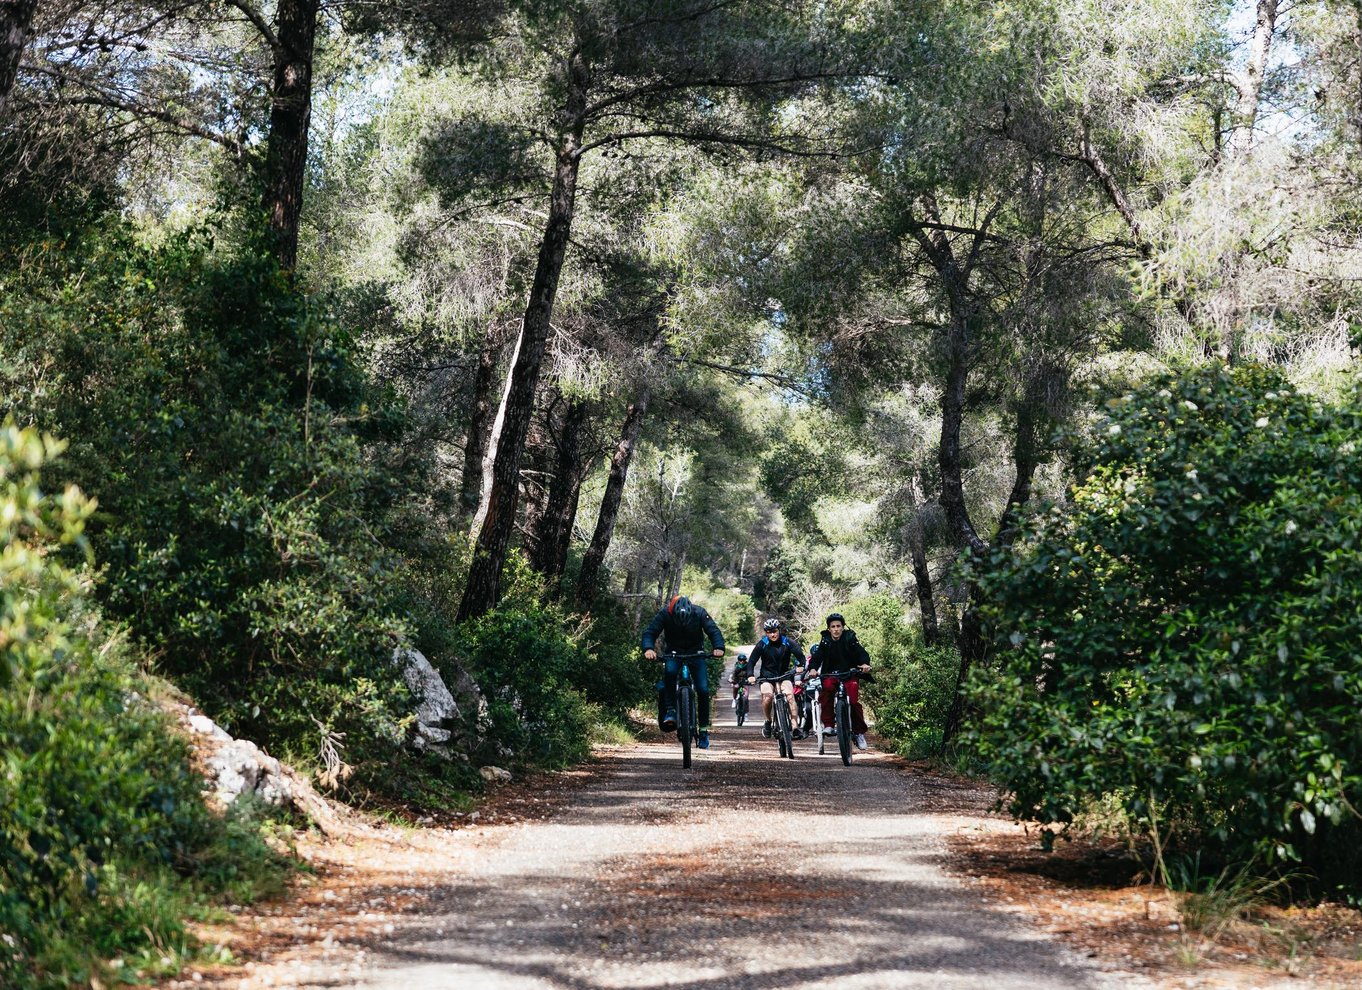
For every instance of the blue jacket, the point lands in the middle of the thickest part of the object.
(683, 638)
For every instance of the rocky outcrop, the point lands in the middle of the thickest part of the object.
(447, 715)
(236, 769)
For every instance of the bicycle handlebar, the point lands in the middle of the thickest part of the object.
(771, 680)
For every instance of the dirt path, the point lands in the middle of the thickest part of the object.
(746, 872)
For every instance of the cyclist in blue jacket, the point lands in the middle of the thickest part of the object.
(684, 625)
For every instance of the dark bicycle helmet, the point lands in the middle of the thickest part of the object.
(771, 625)
(681, 610)
(835, 617)
(742, 658)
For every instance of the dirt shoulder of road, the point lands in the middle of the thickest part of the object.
(370, 877)
(1095, 896)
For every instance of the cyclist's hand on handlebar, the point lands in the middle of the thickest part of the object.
(751, 680)
(717, 653)
(865, 668)
(650, 654)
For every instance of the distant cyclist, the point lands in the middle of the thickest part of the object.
(774, 656)
(738, 676)
(684, 625)
(838, 652)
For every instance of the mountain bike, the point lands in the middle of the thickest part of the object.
(780, 714)
(841, 715)
(742, 703)
(687, 704)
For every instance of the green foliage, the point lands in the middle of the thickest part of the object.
(1183, 634)
(248, 508)
(547, 683)
(99, 808)
(912, 684)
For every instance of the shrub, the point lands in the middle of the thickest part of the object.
(912, 684)
(98, 806)
(249, 510)
(1183, 635)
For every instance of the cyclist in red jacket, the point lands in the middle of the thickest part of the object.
(839, 651)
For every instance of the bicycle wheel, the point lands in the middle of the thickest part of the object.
(685, 719)
(844, 728)
(742, 708)
(783, 726)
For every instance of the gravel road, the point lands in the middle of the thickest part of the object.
(746, 871)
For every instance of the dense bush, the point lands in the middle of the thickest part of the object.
(249, 503)
(98, 806)
(910, 689)
(1184, 634)
(547, 683)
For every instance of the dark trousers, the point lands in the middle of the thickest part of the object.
(829, 692)
(699, 674)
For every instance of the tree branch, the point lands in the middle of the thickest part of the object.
(254, 15)
(703, 138)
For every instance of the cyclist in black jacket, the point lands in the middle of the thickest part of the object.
(684, 625)
(776, 654)
(838, 652)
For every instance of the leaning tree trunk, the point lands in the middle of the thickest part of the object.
(290, 118)
(479, 423)
(590, 575)
(16, 19)
(555, 532)
(494, 538)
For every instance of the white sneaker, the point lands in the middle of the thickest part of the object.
(860, 741)
(829, 730)
(733, 704)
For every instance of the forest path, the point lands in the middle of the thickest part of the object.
(746, 871)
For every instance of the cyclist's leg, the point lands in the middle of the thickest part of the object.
(700, 674)
(767, 692)
(669, 674)
(858, 725)
(787, 689)
(825, 695)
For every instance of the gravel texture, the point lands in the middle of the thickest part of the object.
(746, 871)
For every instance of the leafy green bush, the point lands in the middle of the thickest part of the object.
(1184, 634)
(528, 669)
(98, 806)
(912, 684)
(548, 683)
(252, 501)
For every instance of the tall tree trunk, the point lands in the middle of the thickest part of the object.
(16, 19)
(290, 118)
(1250, 85)
(1025, 460)
(554, 537)
(534, 483)
(590, 575)
(489, 557)
(477, 442)
(922, 580)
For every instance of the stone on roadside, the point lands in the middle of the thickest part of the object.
(495, 775)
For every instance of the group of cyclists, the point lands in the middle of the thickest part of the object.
(776, 660)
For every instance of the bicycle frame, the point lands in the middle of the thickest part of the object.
(841, 712)
(687, 703)
(780, 712)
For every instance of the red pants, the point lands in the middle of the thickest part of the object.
(829, 691)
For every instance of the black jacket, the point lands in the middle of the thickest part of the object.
(837, 655)
(683, 638)
(773, 659)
